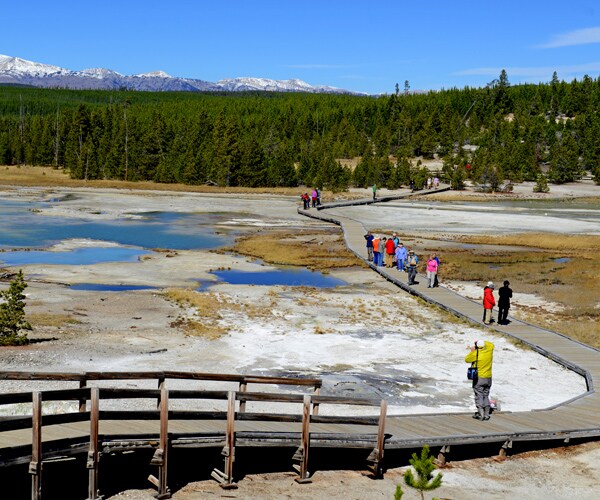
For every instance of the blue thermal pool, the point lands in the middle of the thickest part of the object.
(283, 276)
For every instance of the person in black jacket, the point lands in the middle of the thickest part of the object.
(505, 294)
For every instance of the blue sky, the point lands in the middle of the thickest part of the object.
(366, 46)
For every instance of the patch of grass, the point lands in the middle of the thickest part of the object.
(208, 312)
(584, 328)
(52, 177)
(52, 320)
(574, 284)
(316, 250)
(546, 241)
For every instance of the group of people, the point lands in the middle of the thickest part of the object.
(432, 182)
(481, 353)
(391, 252)
(489, 301)
(315, 198)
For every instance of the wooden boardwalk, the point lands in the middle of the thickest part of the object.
(578, 417)
(96, 431)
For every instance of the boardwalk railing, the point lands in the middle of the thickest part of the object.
(241, 426)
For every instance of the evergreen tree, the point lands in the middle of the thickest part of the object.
(541, 184)
(424, 467)
(12, 313)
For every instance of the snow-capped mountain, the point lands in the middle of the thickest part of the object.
(294, 85)
(16, 71)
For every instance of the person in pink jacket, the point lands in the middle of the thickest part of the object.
(432, 267)
(488, 303)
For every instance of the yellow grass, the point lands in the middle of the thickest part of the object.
(11, 175)
(574, 284)
(208, 307)
(317, 250)
(546, 241)
(49, 319)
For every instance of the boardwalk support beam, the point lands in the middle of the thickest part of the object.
(35, 466)
(441, 458)
(160, 455)
(225, 479)
(301, 454)
(376, 456)
(507, 445)
(92, 457)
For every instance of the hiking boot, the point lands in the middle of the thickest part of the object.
(478, 416)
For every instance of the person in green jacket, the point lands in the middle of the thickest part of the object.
(481, 356)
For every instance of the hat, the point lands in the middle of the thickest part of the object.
(490, 284)
(479, 344)
(410, 251)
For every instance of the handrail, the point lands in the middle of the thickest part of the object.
(166, 414)
(217, 377)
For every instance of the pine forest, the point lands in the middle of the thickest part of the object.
(492, 135)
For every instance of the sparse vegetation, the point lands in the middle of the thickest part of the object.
(13, 324)
(316, 250)
(564, 270)
(424, 467)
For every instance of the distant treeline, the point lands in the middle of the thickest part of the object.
(491, 134)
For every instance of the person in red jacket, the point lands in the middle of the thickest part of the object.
(390, 251)
(488, 303)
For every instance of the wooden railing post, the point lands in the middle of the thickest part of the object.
(160, 456)
(316, 405)
(92, 459)
(35, 466)
(301, 454)
(225, 478)
(243, 388)
(161, 385)
(376, 456)
(82, 401)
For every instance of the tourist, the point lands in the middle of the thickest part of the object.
(429, 182)
(390, 252)
(318, 197)
(314, 198)
(396, 239)
(382, 249)
(436, 182)
(401, 254)
(504, 296)
(488, 303)
(306, 201)
(412, 263)
(481, 356)
(376, 243)
(437, 274)
(374, 191)
(369, 237)
(432, 266)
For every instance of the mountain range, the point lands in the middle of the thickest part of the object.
(16, 71)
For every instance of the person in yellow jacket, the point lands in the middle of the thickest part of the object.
(481, 356)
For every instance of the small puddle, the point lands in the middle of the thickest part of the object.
(77, 256)
(284, 277)
(562, 260)
(97, 287)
